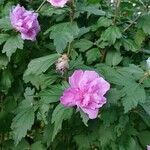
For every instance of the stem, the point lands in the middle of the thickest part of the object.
(116, 10)
(143, 78)
(131, 23)
(72, 6)
(143, 4)
(69, 49)
(41, 5)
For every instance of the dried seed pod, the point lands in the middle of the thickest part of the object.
(62, 64)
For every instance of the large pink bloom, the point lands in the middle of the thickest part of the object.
(25, 22)
(148, 147)
(58, 3)
(86, 91)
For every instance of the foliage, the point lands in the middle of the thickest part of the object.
(111, 38)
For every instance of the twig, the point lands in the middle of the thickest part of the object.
(131, 23)
(117, 5)
(41, 5)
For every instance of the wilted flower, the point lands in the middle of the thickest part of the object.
(58, 3)
(148, 147)
(86, 91)
(62, 63)
(25, 22)
(148, 63)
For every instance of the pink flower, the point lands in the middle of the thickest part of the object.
(148, 147)
(25, 22)
(86, 91)
(58, 3)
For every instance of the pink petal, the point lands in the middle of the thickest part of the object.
(91, 113)
(68, 98)
(75, 79)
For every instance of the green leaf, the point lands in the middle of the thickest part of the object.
(90, 9)
(93, 55)
(5, 24)
(113, 58)
(144, 138)
(48, 10)
(109, 117)
(134, 95)
(6, 81)
(133, 71)
(144, 23)
(130, 45)
(139, 37)
(3, 38)
(113, 96)
(40, 81)
(3, 61)
(111, 34)
(51, 95)
(129, 143)
(84, 117)
(83, 45)
(24, 118)
(5, 121)
(102, 22)
(38, 146)
(83, 141)
(146, 107)
(22, 122)
(12, 44)
(106, 135)
(62, 34)
(40, 65)
(60, 113)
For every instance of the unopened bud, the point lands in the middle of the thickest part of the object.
(62, 63)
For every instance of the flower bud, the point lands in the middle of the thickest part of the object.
(62, 63)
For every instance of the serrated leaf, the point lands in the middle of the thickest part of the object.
(113, 58)
(144, 23)
(139, 37)
(109, 117)
(106, 135)
(5, 24)
(3, 38)
(102, 22)
(113, 96)
(38, 146)
(51, 95)
(144, 137)
(21, 123)
(60, 113)
(146, 107)
(111, 34)
(83, 141)
(83, 45)
(40, 81)
(3, 61)
(90, 9)
(62, 34)
(40, 65)
(48, 10)
(134, 95)
(12, 44)
(130, 45)
(93, 55)
(6, 80)
(24, 118)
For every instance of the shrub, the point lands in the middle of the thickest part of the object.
(57, 63)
